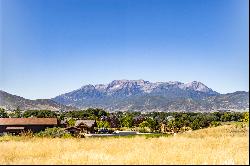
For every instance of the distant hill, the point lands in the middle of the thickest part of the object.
(10, 102)
(140, 95)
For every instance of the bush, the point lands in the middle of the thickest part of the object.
(144, 130)
(67, 135)
(54, 132)
(215, 124)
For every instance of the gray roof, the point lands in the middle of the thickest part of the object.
(89, 123)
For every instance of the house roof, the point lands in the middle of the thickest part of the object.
(28, 121)
(89, 123)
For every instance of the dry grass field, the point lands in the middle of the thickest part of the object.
(226, 144)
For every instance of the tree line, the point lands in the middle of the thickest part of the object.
(153, 121)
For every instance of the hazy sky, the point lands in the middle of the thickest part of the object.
(49, 47)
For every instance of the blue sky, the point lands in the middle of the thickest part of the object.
(49, 47)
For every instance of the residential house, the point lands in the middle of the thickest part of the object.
(17, 125)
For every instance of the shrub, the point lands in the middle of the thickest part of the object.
(144, 130)
(54, 132)
(215, 124)
(67, 135)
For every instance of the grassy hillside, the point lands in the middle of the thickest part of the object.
(226, 144)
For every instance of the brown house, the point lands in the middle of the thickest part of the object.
(82, 126)
(86, 126)
(17, 125)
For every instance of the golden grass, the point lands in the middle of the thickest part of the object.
(220, 145)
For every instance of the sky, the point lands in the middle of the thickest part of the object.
(50, 47)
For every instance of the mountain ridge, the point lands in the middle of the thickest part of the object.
(135, 95)
(144, 95)
(11, 102)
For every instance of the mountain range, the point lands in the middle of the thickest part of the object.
(140, 95)
(135, 95)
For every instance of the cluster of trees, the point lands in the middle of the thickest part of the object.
(3, 113)
(153, 120)
(90, 113)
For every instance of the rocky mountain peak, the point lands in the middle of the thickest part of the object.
(197, 86)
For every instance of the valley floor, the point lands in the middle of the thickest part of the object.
(226, 144)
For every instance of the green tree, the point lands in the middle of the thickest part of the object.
(113, 121)
(3, 113)
(103, 124)
(226, 117)
(39, 114)
(144, 124)
(102, 113)
(144, 127)
(175, 124)
(246, 117)
(195, 125)
(152, 124)
(127, 121)
(17, 113)
(71, 122)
